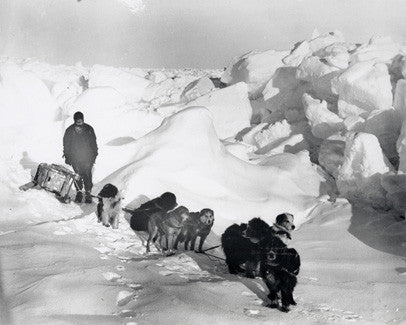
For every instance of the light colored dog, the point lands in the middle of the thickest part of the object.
(283, 227)
(167, 226)
(109, 206)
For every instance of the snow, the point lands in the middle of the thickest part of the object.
(363, 87)
(323, 122)
(319, 75)
(331, 154)
(130, 85)
(336, 163)
(230, 108)
(197, 88)
(385, 125)
(399, 101)
(359, 175)
(401, 148)
(378, 49)
(254, 68)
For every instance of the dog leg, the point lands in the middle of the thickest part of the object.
(193, 242)
(285, 300)
(175, 245)
(290, 299)
(233, 269)
(114, 221)
(99, 210)
(152, 233)
(187, 240)
(202, 239)
(250, 267)
(273, 292)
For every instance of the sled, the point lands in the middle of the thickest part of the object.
(54, 178)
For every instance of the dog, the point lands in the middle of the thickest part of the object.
(199, 224)
(166, 225)
(283, 227)
(236, 247)
(109, 206)
(279, 268)
(241, 245)
(264, 252)
(140, 216)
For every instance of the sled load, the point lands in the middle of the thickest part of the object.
(54, 178)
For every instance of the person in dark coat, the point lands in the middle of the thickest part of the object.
(80, 151)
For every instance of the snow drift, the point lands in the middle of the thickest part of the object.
(185, 156)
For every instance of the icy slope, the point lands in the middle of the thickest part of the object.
(185, 156)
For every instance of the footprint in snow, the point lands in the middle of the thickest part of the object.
(124, 297)
(60, 233)
(103, 249)
(251, 312)
(111, 276)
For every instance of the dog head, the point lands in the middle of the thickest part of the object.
(206, 217)
(285, 220)
(257, 229)
(167, 201)
(108, 191)
(182, 212)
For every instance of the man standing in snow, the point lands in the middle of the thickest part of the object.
(80, 151)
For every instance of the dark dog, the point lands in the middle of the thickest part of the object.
(236, 247)
(199, 224)
(263, 251)
(109, 206)
(279, 268)
(241, 245)
(167, 226)
(140, 216)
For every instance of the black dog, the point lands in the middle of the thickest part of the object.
(261, 247)
(140, 216)
(236, 247)
(199, 224)
(241, 244)
(279, 268)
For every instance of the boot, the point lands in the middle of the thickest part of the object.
(79, 197)
(88, 198)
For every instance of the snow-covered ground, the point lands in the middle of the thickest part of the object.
(317, 131)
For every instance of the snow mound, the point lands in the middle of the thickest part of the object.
(130, 85)
(255, 68)
(96, 101)
(359, 177)
(331, 154)
(319, 75)
(399, 101)
(362, 88)
(23, 94)
(323, 122)
(230, 108)
(378, 49)
(385, 125)
(184, 156)
(197, 88)
(401, 148)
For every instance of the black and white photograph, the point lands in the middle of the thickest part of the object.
(194, 162)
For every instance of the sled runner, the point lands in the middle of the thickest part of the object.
(54, 178)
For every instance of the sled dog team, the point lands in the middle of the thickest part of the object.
(260, 248)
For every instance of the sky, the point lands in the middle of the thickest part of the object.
(182, 33)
